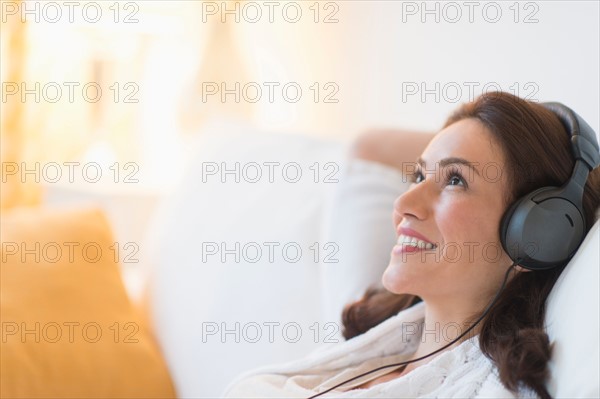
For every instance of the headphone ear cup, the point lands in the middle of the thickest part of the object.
(504, 229)
(543, 234)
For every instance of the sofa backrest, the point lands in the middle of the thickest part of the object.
(573, 324)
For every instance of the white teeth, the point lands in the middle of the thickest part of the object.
(415, 242)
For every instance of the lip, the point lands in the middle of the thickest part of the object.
(410, 232)
(399, 249)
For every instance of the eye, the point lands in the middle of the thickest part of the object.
(416, 176)
(455, 178)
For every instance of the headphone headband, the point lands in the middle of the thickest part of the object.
(583, 139)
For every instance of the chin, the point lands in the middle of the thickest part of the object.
(394, 280)
(403, 277)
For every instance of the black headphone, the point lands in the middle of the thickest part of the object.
(544, 228)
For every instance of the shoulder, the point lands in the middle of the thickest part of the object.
(491, 384)
(380, 341)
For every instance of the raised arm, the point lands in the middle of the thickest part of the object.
(390, 147)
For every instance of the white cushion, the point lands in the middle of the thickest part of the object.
(573, 324)
(188, 294)
(359, 220)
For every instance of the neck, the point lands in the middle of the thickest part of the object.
(444, 322)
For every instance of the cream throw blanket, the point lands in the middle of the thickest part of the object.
(463, 372)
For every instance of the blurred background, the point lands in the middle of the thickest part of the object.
(123, 88)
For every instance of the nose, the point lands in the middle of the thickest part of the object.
(413, 203)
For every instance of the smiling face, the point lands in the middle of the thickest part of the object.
(456, 203)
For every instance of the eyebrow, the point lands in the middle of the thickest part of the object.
(449, 161)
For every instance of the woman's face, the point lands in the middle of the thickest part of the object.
(456, 203)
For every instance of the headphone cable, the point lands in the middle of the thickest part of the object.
(432, 353)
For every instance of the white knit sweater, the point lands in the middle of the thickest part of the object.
(462, 372)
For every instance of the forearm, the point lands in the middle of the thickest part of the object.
(396, 148)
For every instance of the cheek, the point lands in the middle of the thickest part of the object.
(467, 221)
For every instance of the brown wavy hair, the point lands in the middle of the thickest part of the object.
(512, 335)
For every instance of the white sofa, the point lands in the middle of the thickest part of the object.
(285, 309)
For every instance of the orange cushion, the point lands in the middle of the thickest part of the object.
(68, 327)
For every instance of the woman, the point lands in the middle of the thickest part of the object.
(447, 268)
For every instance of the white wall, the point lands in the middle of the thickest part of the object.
(371, 53)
